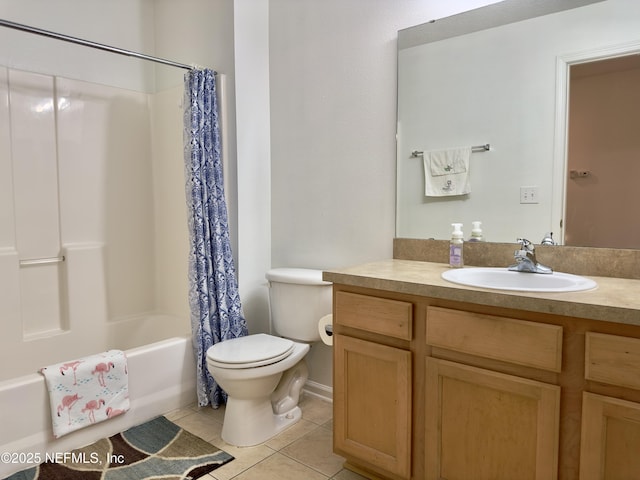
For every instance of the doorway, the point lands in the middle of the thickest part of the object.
(603, 154)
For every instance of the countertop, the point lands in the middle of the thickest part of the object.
(614, 300)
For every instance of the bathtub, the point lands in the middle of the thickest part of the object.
(162, 377)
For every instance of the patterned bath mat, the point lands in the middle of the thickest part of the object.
(156, 449)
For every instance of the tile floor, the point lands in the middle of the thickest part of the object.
(303, 451)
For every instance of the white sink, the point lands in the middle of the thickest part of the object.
(504, 279)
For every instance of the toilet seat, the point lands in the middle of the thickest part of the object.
(251, 351)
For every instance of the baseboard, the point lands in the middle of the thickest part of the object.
(319, 390)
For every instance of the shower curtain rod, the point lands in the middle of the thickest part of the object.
(87, 43)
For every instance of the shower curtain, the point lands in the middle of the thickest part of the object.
(216, 313)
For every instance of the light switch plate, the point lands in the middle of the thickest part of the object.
(529, 195)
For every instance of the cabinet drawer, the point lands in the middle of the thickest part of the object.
(612, 359)
(372, 314)
(521, 342)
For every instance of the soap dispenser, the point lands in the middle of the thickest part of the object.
(455, 246)
(476, 233)
(548, 239)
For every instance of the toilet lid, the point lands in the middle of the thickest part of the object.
(250, 351)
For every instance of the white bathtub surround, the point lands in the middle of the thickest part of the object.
(161, 376)
(101, 185)
(31, 114)
(79, 180)
(87, 330)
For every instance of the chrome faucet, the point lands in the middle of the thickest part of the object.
(526, 259)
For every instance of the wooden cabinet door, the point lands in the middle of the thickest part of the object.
(610, 441)
(372, 404)
(487, 425)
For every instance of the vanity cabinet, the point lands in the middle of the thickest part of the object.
(432, 388)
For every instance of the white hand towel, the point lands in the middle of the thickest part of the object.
(86, 391)
(446, 172)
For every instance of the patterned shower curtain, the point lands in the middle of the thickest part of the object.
(216, 313)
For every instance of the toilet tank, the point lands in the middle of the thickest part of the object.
(298, 298)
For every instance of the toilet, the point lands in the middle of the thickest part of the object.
(264, 374)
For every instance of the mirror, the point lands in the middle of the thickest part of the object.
(499, 75)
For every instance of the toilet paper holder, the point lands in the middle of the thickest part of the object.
(325, 329)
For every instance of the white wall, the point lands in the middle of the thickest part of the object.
(251, 23)
(121, 23)
(333, 123)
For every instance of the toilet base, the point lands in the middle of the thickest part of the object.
(248, 422)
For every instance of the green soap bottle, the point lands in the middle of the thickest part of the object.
(476, 233)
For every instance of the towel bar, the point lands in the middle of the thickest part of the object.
(477, 148)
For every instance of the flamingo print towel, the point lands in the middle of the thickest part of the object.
(86, 391)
